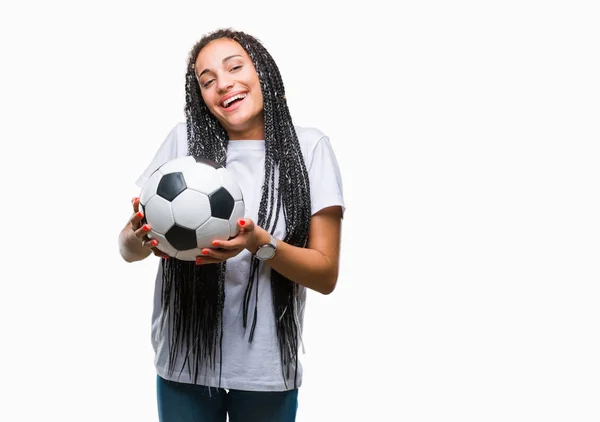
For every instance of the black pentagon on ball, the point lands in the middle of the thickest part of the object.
(171, 185)
(181, 238)
(221, 203)
(208, 162)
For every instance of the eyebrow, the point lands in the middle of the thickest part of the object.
(222, 61)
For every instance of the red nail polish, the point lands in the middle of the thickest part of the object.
(139, 214)
(165, 256)
(204, 252)
(146, 228)
(154, 243)
(242, 223)
(215, 243)
(198, 261)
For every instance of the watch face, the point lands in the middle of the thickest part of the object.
(265, 252)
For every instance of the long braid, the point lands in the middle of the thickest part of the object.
(195, 307)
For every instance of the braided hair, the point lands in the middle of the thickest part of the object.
(193, 296)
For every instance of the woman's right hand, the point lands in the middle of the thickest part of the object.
(140, 231)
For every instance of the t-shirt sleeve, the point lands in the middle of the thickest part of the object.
(326, 187)
(167, 151)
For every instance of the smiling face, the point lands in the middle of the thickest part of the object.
(230, 88)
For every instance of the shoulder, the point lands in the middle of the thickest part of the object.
(177, 140)
(309, 138)
(180, 131)
(174, 145)
(175, 137)
(326, 187)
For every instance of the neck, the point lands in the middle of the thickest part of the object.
(255, 131)
(247, 135)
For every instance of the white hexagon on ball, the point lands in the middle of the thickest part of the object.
(163, 244)
(202, 178)
(149, 189)
(213, 229)
(178, 165)
(191, 209)
(189, 255)
(159, 214)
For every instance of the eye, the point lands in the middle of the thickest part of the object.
(207, 83)
(235, 68)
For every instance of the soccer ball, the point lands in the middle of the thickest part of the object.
(190, 202)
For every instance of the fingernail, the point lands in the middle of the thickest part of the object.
(139, 214)
(198, 261)
(154, 242)
(215, 243)
(165, 256)
(242, 223)
(146, 228)
(204, 252)
(133, 200)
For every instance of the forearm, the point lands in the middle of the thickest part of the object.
(130, 248)
(307, 267)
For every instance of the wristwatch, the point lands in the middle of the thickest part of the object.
(267, 251)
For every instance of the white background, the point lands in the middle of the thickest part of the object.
(467, 134)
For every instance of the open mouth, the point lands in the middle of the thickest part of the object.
(233, 100)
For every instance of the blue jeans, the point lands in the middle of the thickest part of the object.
(179, 402)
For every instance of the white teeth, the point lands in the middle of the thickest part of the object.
(235, 97)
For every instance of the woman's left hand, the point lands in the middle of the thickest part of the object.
(247, 238)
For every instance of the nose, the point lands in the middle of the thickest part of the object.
(225, 82)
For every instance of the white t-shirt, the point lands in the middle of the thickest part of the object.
(252, 366)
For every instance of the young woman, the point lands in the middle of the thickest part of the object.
(233, 319)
